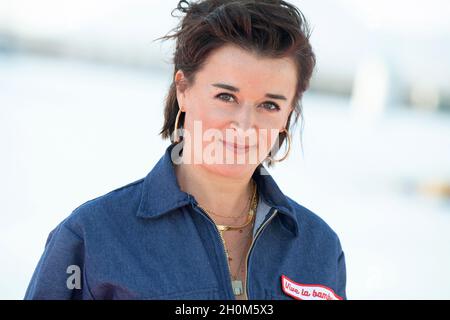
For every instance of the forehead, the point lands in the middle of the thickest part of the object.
(247, 70)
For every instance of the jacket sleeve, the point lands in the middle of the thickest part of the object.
(59, 274)
(341, 276)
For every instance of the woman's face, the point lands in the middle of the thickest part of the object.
(235, 109)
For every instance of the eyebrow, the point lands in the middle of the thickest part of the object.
(234, 89)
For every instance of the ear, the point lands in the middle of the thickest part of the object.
(181, 85)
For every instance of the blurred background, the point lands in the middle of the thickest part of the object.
(82, 86)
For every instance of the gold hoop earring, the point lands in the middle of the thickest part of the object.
(287, 153)
(176, 138)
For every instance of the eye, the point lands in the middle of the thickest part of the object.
(271, 106)
(225, 97)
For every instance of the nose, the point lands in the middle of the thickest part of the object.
(244, 118)
(244, 122)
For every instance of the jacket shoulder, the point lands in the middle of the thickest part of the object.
(106, 207)
(312, 224)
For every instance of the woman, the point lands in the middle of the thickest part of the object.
(208, 221)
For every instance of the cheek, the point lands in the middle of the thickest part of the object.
(270, 127)
(202, 120)
(267, 138)
(207, 119)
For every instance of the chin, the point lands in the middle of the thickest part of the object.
(231, 170)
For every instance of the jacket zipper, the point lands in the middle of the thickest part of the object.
(223, 243)
(261, 228)
(250, 249)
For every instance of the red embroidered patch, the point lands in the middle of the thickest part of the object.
(307, 291)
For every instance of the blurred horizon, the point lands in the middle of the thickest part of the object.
(405, 39)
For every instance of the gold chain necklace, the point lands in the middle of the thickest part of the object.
(237, 283)
(243, 212)
(250, 214)
(233, 217)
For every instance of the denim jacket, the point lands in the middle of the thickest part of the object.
(150, 240)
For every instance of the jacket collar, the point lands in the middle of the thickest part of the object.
(162, 194)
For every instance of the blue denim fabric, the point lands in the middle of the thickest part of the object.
(150, 240)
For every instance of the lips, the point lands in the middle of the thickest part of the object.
(236, 147)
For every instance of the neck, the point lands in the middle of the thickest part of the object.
(222, 195)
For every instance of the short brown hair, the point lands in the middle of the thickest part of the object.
(269, 28)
